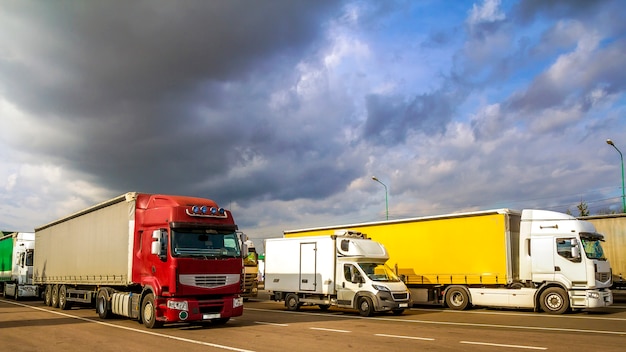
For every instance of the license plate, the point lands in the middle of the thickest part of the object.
(210, 316)
(403, 305)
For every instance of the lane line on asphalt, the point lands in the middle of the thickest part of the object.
(516, 327)
(517, 314)
(132, 329)
(331, 330)
(406, 337)
(268, 323)
(503, 345)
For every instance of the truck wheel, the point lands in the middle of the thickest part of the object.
(47, 295)
(63, 303)
(324, 307)
(54, 303)
(291, 302)
(103, 305)
(219, 321)
(457, 298)
(366, 307)
(554, 300)
(397, 311)
(16, 295)
(148, 312)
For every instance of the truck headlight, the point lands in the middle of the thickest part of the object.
(593, 295)
(179, 305)
(381, 288)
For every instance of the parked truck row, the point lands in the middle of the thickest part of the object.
(161, 259)
(533, 259)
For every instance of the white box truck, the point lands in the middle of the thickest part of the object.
(344, 270)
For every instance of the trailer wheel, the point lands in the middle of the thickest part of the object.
(291, 302)
(366, 307)
(47, 295)
(103, 305)
(63, 303)
(554, 300)
(54, 303)
(457, 298)
(148, 312)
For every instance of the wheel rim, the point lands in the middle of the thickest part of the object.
(457, 299)
(365, 306)
(147, 312)
(554, 301)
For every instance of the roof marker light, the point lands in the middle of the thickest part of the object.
(203, 209)
(195, 209)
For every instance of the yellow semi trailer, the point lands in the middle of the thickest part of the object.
(533, 259)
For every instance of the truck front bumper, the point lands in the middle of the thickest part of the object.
(591, 298)
(202, 310)
(387, 301)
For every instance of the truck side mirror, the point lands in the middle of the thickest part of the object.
(159, 246)
(575, 249)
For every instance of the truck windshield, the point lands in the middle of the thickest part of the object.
(592, 245)
(379, 272)
(205, 243)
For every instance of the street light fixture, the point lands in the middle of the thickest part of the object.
(610, 142)
(386, 198)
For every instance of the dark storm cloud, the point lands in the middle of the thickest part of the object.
(146, 88)
(391, 118)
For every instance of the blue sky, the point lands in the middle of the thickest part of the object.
(283, 111)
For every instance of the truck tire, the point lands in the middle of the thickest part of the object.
(63, 303)
(398, 311)
(54, 303)
(324, 307)
(291, 302)
(219, 321)
(47, 295)
(554, 300)
(365, 306)
(16, 293)
(148, 312)
(457, 298)
(103, 304)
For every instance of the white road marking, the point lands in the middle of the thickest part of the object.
(537, 315)
(268, 323)
(132, 329)
(502, 345)
(332, 330)
(406, 337)
(518, 327)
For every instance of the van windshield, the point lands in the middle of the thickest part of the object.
(205, 243)
(379, 272)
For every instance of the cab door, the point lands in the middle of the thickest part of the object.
(348, 283)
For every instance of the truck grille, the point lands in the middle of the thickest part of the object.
(209, 280)
(603, 277)
(400, 296)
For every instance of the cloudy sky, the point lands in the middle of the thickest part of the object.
(282, 111)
